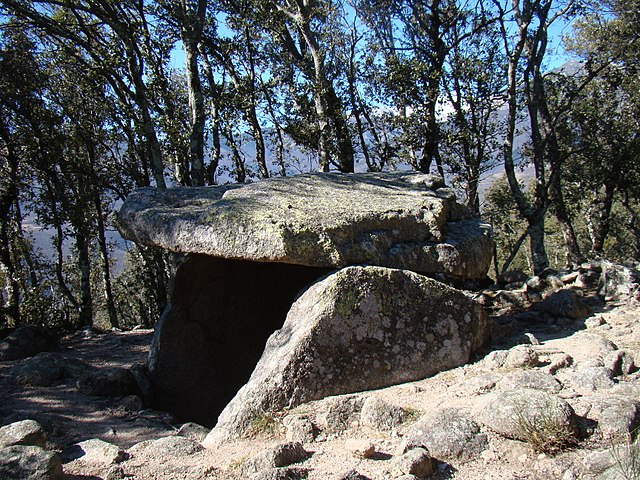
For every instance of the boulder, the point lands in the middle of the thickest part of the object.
(20, 462)
(108, 382)
(447, 434)
(530, 415)
(359, 329)
(25, 432)
(26, 342)
(41, 370)
(564, 303)
(400, 220)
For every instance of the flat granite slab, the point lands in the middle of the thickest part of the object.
(404, 220)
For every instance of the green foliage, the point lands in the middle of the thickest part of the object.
(264, 425)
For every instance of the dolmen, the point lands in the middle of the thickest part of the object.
(294, 289)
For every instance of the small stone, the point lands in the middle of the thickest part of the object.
(378, 414)
(360, 448)
(416, 462)
(289, 473)
(489, 456)
(529, 379)
(594, 322)
(166, 447)
(341, 412)
(281, 455)
(619, 362)
(350, 475)
(592, 378)
(521, 356)
(25, 432)
(300, 428)
(131, 403)
(97, 451)
(193, 431)
(563, 362)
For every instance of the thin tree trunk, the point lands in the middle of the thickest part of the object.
(84, 266)
(598, 218)
(191, 32)
(106, 267)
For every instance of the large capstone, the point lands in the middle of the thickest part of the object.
(398, 220)
(359, 329)
(252, 249)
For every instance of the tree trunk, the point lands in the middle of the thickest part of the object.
(598, 218)
(538, 252)
(190, 33)
(106, 267)
(84, 266)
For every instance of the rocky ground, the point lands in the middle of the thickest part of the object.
(555, 395)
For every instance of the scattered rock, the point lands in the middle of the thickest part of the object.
(512, 276)
(588, 378)
(96, 451)
(564, 303)
(617, 417)
(619, 362)
(115, 472)
(22, 462)
(416, 461)
(108, 382)
(130, 403)
(166, 448)
(448, 433)
(289, 473)
(380, 415)
(193, 431)
(360, 448)
(26, 342)
(25, 432)
(281, 455)
(399, 325)
(341, 413)
(597, 462)
(521, 356)
(594, 322)
(529, 379)
(478, 385)
(350, 475)
(515, 414)
(619, 282)
(42, 370)
(300, 428)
